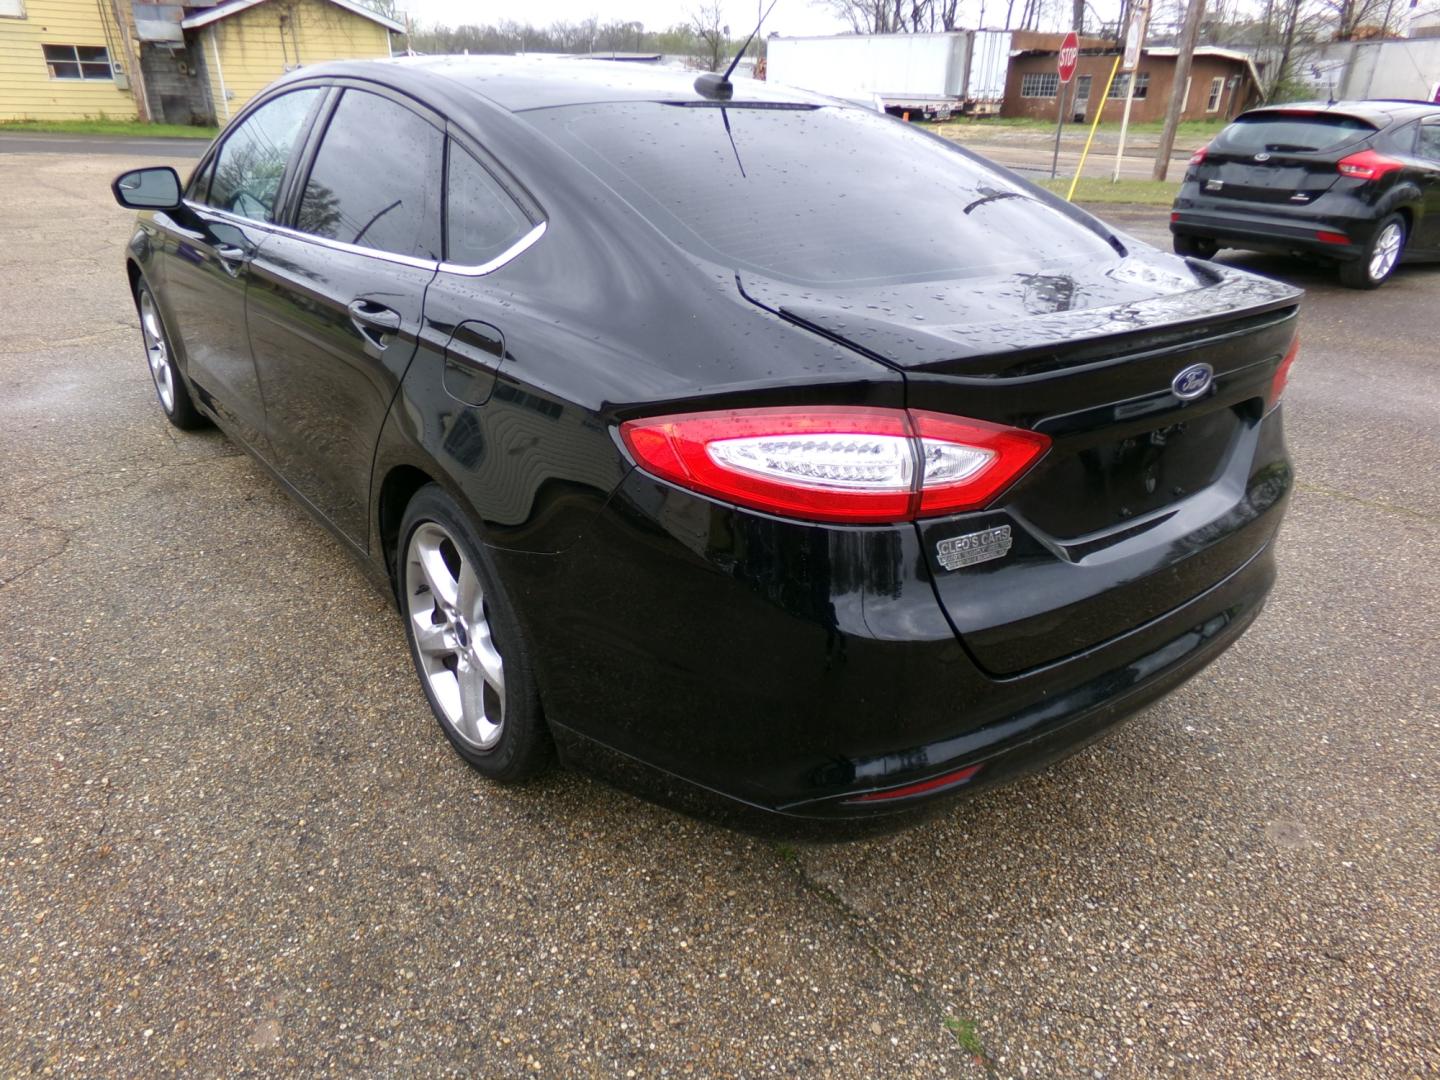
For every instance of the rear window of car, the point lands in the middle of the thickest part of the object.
(1282, 133)
(819, 196)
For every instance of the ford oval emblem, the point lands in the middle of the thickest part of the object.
(1262, 156)
(1192, 382)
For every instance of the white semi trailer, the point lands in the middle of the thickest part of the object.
(931, 75)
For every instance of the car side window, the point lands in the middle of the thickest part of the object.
(1430, 142)
(252, 159)
(376, 179)
(481, 220)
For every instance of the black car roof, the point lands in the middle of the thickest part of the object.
(518, 83)
(1378, 113)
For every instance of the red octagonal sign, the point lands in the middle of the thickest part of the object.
(1069, 56)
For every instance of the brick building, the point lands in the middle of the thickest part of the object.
(1222, 83)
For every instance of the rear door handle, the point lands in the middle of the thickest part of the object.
(374, 321)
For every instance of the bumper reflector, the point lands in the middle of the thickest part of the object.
(935, 783)
(1331, 237)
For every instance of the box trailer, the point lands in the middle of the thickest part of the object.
(933, 75)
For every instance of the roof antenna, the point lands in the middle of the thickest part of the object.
(719, 87)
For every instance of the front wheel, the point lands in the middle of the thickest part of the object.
(170, 388)
(466, 642)
(1380, 258)
(1197, 247)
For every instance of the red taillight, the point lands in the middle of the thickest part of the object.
(1282, 373)
(938, 783)
(1325, 236)
(1198, 157)
(836, 463)
(1367, 165)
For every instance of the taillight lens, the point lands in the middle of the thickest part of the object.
(836, 463)
(1282, 373)
(1367, 165)
(1198, 157)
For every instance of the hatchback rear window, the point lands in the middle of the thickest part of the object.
(1281, 133)
(819, 196)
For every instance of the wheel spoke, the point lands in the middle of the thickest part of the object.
(486, 661)
(430, 638)
(478, 727)
(437, 575)
(468, 594)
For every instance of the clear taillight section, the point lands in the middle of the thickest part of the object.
(836, 463)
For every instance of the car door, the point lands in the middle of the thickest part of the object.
(335, 306)
(1427, 230)
(209, 246)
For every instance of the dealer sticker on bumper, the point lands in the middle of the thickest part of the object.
(972, 548)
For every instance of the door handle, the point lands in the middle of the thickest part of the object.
(232, 257)
(374, 321)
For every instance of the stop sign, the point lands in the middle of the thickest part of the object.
(1069, 56)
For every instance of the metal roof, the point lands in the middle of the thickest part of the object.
(234, 7)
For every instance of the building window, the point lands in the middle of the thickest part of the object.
(78, 62)
(12, 9)
(1121, 86)
(1039, 84)
(1217, 87)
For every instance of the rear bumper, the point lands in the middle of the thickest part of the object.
(757, 670)
(1253, 228)
(1047, 731)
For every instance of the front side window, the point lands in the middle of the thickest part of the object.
(376, 180)
(253, 157)
(1039, 84)
(481, 220)
(825, 196)
(88, 62)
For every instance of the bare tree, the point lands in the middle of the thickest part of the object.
(707, 23)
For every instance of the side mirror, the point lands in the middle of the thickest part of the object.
(155, 188)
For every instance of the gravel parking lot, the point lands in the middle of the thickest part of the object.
(233, 841)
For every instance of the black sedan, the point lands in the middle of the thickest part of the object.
(756, 450)
(1357, 182)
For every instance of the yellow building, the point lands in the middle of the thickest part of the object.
(193, 63)
(61, 60)
(248, 44)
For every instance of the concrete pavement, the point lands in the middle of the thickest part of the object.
(233, 841)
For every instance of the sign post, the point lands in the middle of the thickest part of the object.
(1134, 44)
(1065, 67)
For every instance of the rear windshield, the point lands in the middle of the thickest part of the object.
(1281, 133)
(817, 196)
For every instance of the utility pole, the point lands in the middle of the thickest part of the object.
(1194, 12)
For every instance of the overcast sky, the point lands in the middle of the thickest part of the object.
(789, 16)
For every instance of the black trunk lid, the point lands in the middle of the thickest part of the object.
(1144, 499)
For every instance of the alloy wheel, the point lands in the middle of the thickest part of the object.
(1386, 251)
(449, 623)
(156, 354)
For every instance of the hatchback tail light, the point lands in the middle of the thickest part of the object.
(1367, 165)
(1282, 373)
(1198, 157)
(836, 463)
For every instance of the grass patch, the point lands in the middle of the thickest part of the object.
(1096, 189)
(1198, 130)
(966, 1035)
(103, 126)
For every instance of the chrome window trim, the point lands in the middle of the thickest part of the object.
(513, 251)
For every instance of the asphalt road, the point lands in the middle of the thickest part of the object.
(232, 841)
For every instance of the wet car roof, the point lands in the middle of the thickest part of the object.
(520, 83)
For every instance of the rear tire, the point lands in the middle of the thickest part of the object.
(1196, 247)
(1381, 257)
(466, 643)
(171, 390)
